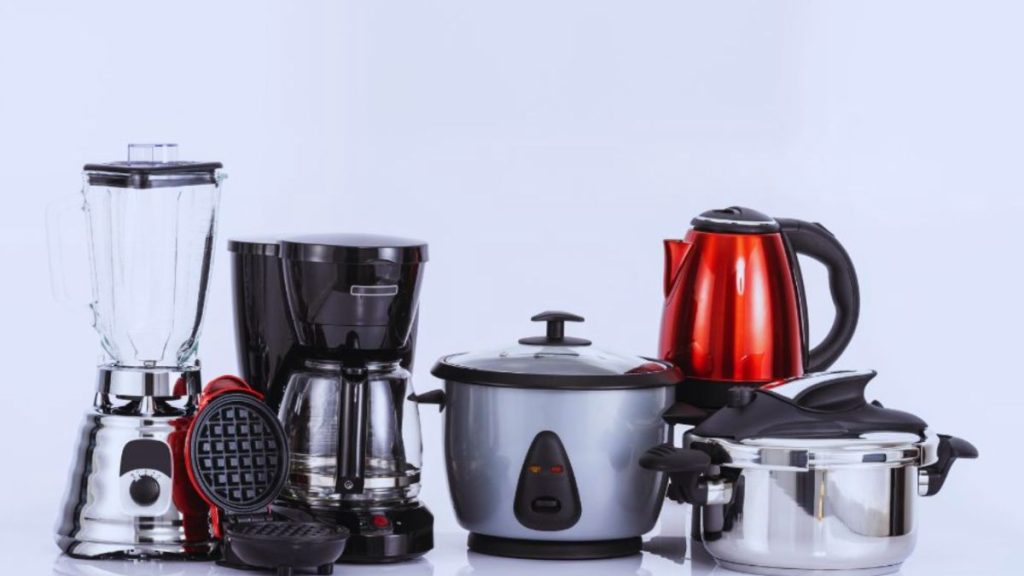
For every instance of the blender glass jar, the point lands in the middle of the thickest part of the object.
(152, 222)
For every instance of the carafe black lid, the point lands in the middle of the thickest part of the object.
(832, 407)
(735, 220)
(354, 249)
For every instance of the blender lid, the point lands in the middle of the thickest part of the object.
(735, 220)
(354, 249)
(557, 362)
(831, 407)
(152, 166)
(256, 246)
(238, 456)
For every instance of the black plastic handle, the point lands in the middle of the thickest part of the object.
(685, 468)
(684, 414)
(951, 449)
(555, 330)
(815, 241)
(437, 397)
(352, 430)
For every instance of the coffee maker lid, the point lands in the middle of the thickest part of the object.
(354, 249)
(256, 246)
(735, 220)
(152, 166)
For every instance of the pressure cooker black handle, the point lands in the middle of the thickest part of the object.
(556, 330)
(815, 241)
(432, 397)
(684, 414)
(685, 468)
(951, 449)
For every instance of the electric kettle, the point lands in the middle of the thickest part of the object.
(735, 312)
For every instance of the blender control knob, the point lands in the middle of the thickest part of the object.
(144, 490)
(740, 396)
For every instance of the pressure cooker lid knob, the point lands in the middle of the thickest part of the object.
(556, 330)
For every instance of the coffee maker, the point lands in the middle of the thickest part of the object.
(338, 376)
(151, 226)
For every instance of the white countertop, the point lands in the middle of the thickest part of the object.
(955, 550)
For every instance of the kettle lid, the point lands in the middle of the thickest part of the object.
(735, 220)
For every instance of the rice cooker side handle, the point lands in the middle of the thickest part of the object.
(437, 397)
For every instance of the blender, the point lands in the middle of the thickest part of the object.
(338, 378)
(151, 226)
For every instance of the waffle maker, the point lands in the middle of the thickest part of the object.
(237, 458)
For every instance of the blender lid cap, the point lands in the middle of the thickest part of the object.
(256, 246)
(556, 362)
(152, 166)
(735, 220)
(354, 249)
(238, 456)
(832, 407)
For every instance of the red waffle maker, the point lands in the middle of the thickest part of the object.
(237, 457)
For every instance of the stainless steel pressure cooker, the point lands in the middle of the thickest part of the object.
(808, 477)
(543, 441)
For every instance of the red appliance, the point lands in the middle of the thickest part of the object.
(735, 312)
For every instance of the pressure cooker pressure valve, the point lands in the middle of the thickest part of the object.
(556, 330)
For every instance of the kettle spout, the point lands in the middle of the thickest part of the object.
(675, 254)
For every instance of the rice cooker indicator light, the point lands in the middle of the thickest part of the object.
(534, 469)
(556, 469)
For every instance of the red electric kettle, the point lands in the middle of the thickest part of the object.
(735, 312)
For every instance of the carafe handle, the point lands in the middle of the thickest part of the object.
(352, 425)
(815, 241)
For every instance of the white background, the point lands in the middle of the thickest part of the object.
(545, 149)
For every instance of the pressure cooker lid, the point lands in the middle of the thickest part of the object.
(556, 361)
(825, 406)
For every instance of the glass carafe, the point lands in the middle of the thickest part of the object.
(353, 433)
(151, 223)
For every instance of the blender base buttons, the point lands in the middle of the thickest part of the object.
(554, 550)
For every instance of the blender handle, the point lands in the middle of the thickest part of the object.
(57, 242)
(815, 241)
(352, 420)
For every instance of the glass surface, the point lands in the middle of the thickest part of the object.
(310, 411)
(553, 361)
(151, 251)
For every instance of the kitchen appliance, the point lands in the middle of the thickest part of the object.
(264, 337)
(735, 312)
(343, 394)
(238, 459)
(542, 440)
(152, 222)
(809, 477)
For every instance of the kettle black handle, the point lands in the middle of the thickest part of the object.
(815, 241)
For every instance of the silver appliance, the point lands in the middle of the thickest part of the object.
(542, 441)
(809, 478)
(151, 222)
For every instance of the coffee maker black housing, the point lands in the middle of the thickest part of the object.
(265, 338)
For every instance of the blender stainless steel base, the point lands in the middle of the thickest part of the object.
(129, 495)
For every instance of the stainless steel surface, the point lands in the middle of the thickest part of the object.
(488, 431)
(828, 506)
(145, 382)
(119, 445)
(310, 414)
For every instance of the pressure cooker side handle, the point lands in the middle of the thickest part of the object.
(686, 469)
(437, 397)
(951, 449)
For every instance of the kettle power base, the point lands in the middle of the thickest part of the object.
(553, 550)
(769, 571)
